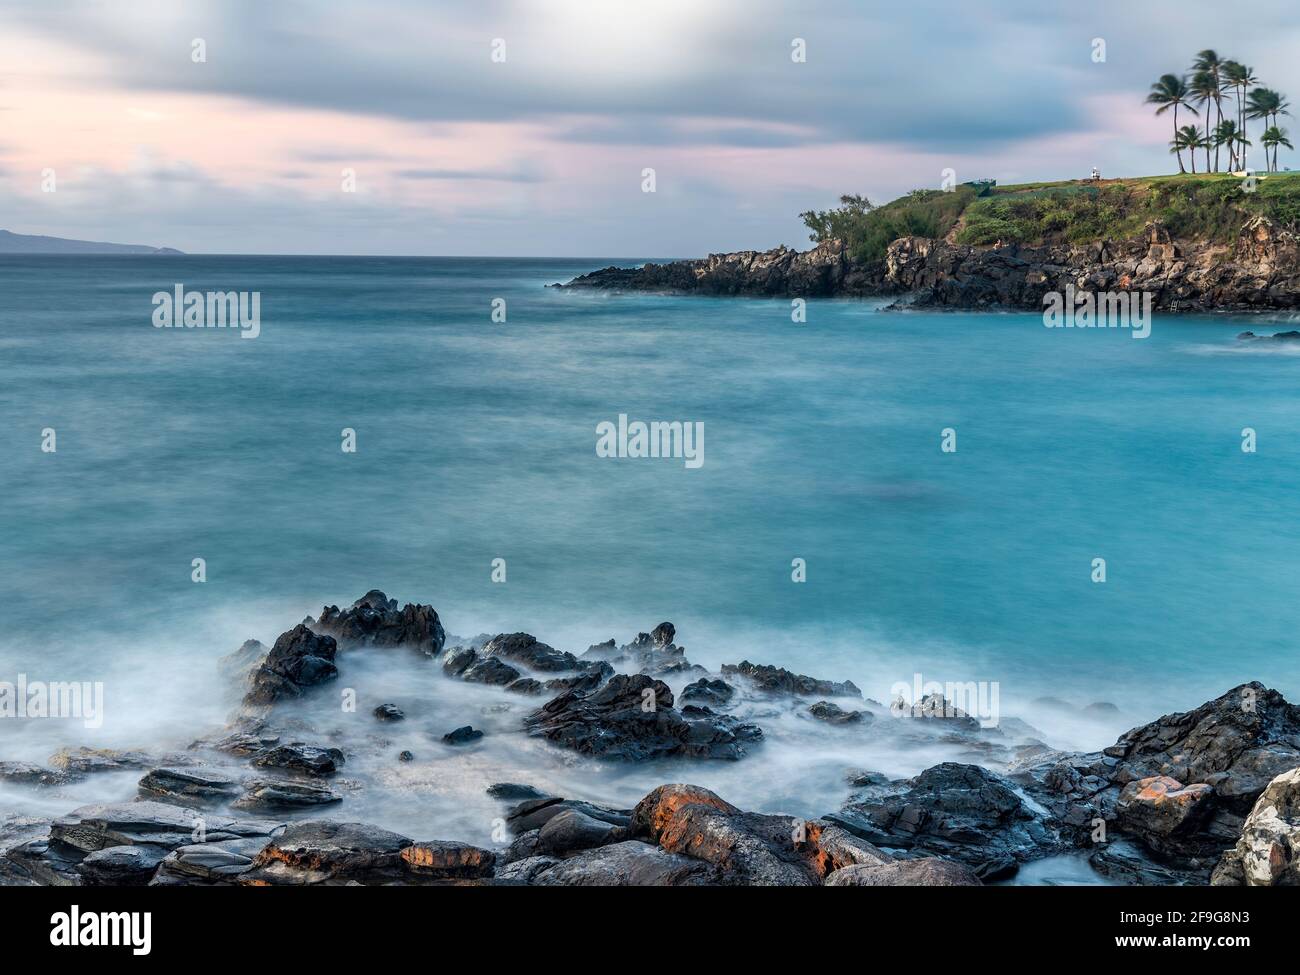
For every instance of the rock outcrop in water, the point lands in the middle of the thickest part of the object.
(1215, 788)
(1260, 271)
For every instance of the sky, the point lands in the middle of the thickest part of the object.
(540, 150)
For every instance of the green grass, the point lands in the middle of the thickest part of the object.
(1204, 207)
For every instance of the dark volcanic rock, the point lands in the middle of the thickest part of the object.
(299, 660)
(462, 736)
(533, 814)
(514, 791)
(375, 620)
(121, 866)
(652, 653)
(1160, 809)
(389, 712)
(1236, 743)
(458, 660)
(525, 650)
(208, 864)
(279, 795)
(959, 812)
(925, 872)
(571, 830)
(626, 864)
(712, 692)
(27, 773)
(300, 757)
(328, 853)
(190, 786)
(777, 680)
(239, 667)
(490, 670)
(834, 714)
(824, 270)
(632, 718)
(748, 849)
(88, 761)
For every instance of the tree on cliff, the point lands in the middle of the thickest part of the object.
(1171, 91)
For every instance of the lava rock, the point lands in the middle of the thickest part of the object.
(300, 659)
(712, 692)
(834, 714)
(303, 758)
(375, 620)
(923, 872)
(278, 795)
(190, 786)
(389, 712)
(462, 736)
(778, 680)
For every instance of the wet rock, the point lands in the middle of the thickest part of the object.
(581, 683)
(190, 786)
(525, 870)
(514, 791)
(652, 653)
(526, 685)
(462, 736)
(1160, 808)
(89, 761)
(327, 853)
(444, 859)
(1268, 851)
(100, 825)
(280, 795)
(524, 649)
(627, 864)
(245, 743)
(302, 758)
(490, 670)
(121, 866)
(778, 680)
(1236, 743)
(405, 756)
(572, 830)
(923, 872)
(458, 660)
(45, 862)
(389, 712)
(300, 660)
(746, 848)
(533, 814)
(631, 718)
(715, 693)
(1123, 861)
(834, 714)
(208, 864)
(375, 620)
(27, 773)
(959, 812)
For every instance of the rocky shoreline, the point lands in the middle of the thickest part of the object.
(1211, 795)
(1259, 272)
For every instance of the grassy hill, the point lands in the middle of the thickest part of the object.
(1202, 207)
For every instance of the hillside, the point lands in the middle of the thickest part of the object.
(1208, 208)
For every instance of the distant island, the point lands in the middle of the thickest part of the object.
(11, 243)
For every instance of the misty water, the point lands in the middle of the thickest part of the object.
(476, 441)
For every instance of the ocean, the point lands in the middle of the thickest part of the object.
(476, 441)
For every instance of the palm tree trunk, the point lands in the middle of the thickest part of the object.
(1218, 106)
(1181, 169)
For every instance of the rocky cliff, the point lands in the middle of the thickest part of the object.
(1259, 271)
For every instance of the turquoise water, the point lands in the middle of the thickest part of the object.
(476, 441)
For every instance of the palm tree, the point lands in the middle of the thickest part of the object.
(1188, 137)
(1242, 76)
(1266, 104)
(1170, 92)
(1273, 136)
(1227, 134)
(1209, 62)
(1205, 89)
